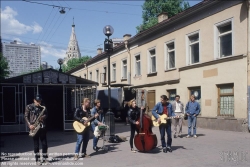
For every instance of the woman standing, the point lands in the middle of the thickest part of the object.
(133, 116)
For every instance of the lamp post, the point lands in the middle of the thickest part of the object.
(108, 48)
(60, 62)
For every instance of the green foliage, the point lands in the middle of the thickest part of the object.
(151, 8)
(74, 62)
(4, 68)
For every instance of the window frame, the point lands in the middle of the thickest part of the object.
(122, 68)
(224, 94)
(188, 50)
(167, 51)
(97, 76)
(90, 75)
(135, 64)
(150, 61)
(113, 79)
(216, 37)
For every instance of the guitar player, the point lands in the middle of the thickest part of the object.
(99, 121)
(164, 107)
(83, 138)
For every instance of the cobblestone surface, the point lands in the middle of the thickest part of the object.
(212, 148)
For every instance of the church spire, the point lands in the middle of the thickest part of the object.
(73, 50)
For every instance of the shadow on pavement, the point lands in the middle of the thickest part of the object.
(177, 147)
(111, 148)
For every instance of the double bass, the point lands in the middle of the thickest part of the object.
(145, 140)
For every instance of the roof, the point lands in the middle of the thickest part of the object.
(48, 76)
(182, 15)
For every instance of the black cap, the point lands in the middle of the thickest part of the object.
(38, 97)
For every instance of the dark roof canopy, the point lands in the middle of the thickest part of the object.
(48, 76)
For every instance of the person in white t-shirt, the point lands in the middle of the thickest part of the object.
(178, 109)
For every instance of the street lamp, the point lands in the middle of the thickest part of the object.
(108, 47)
(60, 62)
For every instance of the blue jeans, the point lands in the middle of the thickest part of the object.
(192, 124)
(167, 128)
(95, 139)
(83, 139)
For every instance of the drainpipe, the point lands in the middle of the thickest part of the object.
(126, 38)
(248, 62)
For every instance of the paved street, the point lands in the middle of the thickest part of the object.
(212, 148)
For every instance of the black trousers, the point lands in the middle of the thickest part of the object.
(132, 134)
(41, 134)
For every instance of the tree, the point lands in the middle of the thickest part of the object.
(4, 68)
(151, 8)
(74, 62)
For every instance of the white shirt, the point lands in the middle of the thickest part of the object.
(178, 108)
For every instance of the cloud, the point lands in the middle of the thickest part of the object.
(10, 25)
(47, 50)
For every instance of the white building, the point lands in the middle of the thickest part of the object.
(73, 50)
(21, 58)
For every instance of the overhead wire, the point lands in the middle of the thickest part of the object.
(58, 18)
(58, 26)
(49, 26)
(44, 25)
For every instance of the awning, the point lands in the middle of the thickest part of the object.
(117, 85)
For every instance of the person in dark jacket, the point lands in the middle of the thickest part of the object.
(32, 112)
(83, 138)
(133, 116)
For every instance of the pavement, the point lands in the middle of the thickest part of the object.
(212, 148)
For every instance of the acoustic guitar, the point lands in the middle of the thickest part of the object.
(164, 119)
(80, 127)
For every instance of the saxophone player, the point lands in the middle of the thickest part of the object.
(32, 112)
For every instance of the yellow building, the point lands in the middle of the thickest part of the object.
(203, 51)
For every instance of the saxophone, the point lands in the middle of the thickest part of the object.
(37, 124)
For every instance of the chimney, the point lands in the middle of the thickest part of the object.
(126, 37)
(99, 51)
(162, 16)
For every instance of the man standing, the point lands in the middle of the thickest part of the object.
(192, 110)
(32, 112)
(82, 138)
(99, 121)
(164, 107)
(178, 109)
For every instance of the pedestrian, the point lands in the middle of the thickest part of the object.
(192, 110)
(178, 109)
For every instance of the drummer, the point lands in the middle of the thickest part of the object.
(99, 121)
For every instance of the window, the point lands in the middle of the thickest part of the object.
(196, 91)
(90, 75)
(226, 100)
(152, 61)
(104, 74)
(138, 65)
(225, 39)
(194, 56)
(170, 55)
(114, 72)
(171, 94)
(97, 75)
(85, 76)
(124, 69)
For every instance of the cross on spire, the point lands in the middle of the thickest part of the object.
(73, 25)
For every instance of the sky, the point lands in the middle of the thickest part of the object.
(43, 25)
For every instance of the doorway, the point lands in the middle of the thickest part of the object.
(53, 100)
(151, 99)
